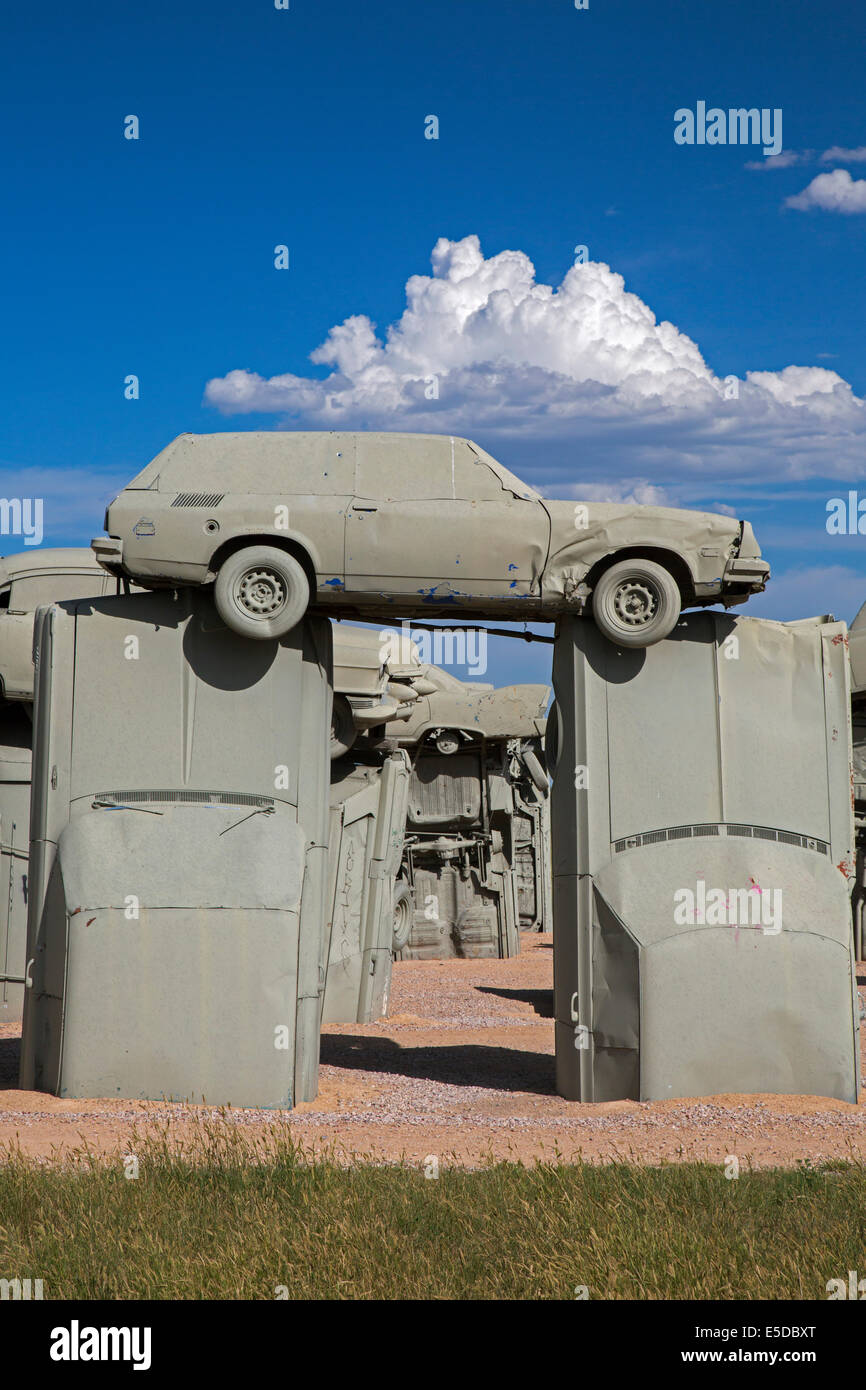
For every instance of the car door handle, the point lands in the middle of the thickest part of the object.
(356, 508)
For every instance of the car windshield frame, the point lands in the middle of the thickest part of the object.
(509, 481)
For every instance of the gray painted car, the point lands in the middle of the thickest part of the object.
(177, 923)
(703, 862)
(475, 867)
(26, 581)
(414, 524)
(857, 652)
(366, 899)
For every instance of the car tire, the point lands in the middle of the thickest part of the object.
(403, 913)
(343, 731)
(553, 738)
(447, 742)
(261, 592)
(636, 603)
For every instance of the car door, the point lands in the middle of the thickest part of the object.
(432, 518)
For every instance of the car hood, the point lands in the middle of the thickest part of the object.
(614, 525)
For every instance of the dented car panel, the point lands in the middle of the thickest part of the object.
(704, 543)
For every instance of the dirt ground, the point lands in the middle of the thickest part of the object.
(463, 1069)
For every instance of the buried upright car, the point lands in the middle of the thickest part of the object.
(420, 524)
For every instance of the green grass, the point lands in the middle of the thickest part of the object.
(233, 1217)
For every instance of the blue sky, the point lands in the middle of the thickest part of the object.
(305, 127)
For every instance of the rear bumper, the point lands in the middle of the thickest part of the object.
(108, 551)
(369, 714)
(151, 573)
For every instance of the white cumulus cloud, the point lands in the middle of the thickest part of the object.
(837, 154)
(634, 490)
(785, 159)
(584, 367)
(834, 192)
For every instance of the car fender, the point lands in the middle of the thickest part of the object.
(259, 535)
(571, 565)
(583, 535)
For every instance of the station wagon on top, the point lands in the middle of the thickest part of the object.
(372, 525)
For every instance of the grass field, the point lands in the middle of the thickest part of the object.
(240, 1218)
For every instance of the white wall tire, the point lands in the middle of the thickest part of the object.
(636, 603)
(261, 592)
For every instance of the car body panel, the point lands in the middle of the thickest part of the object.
(168, 776)
(359, 662)
(478, 845)
(15, 766)
(705, 776)
(857, 652)
(704, 541)
(512, 711)
(368, 821)
(431, 508)
(27, 580)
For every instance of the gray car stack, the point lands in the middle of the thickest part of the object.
(204, 882)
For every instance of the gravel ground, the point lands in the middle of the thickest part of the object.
(463, 1068)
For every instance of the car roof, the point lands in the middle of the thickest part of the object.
(204, 449)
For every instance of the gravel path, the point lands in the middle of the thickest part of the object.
(463, 1068)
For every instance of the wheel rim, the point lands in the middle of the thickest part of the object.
(635, 603)
(447, 744)
(261, 593)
